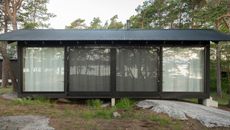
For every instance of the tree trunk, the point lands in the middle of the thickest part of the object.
(218, 70)
(7, 65)
(10, 10)
(5, 75)
(5, 71)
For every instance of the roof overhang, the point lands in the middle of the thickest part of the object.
(115, 35)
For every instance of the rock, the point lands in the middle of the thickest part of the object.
(208, 116)
(116, 114)
(105, 105)
(63, 100)
(10, 96)
(29, 122)
(210, 102)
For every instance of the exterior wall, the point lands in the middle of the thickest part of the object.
(113, 93)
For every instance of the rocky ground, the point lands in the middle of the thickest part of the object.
(24, 123)
(208, 116)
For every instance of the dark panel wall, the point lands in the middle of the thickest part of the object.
(14, 64)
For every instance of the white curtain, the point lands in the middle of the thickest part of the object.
(183, 69)
(43, 69)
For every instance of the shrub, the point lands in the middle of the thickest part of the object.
(94, 103)
(125, 103)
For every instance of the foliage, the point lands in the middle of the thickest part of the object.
(95, 103)
(95, 23)
(114, 24)
(32, 101)
(125, 103)
(77, 24)
(177, 14)
(34, 14)
(221, 100)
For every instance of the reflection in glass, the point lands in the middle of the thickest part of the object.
(136, 69)
(183, 69)
(89, 69)
(43, 69)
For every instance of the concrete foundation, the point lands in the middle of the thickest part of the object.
(112, 102)
(210, 102)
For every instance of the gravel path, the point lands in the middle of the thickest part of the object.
(208, 116)
(24, 123)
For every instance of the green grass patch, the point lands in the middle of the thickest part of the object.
(125, 104)
(166, 121)
(5, 90)
(99, 113)
(95, 103)
(162, 121)
(221, 101)
(191, 100)
(32, 101)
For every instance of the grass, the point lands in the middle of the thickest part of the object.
(5, 90)
(95, 103)
(32, 101)
(125, 104)
(90, 116)
(105, 113)
(161, 120)
(96, 111)
(221, 101)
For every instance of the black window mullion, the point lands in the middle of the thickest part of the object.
(66, 70)
(160, 70)
(113, 71)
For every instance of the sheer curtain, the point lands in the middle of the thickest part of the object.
(43, 69)
(136, 69)
(183, 69)
(89, 69)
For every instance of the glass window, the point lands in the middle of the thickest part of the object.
(183, 69)
(136, 69)
(43, 69)
(89, 69)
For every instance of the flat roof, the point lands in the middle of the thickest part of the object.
(78, 35)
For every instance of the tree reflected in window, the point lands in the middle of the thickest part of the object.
(183, 69)
(89, 69)
(137, 69)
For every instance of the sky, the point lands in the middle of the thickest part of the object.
(70, 10)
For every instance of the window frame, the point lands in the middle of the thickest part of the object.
(114, 45)
(203, 73)
(89, 47)
(39, 44)
(23, 75)
(157, 49)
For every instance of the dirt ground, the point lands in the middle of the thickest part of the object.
(78, 116)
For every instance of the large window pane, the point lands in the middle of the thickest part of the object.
(136, 69)
(183, 69)
(89, 69)
(43, 69)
